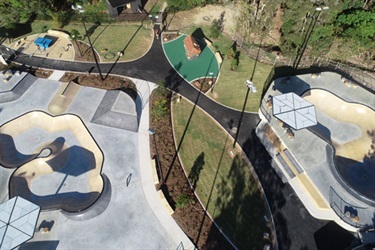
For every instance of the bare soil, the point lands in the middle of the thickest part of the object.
(110, 82)
(83, 52)
(203, 16)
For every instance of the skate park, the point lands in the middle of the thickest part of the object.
(61, 149)
(330, 165)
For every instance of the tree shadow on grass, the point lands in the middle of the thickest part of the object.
(120, 54)
(211, 191)
(241, 207)
(196, 170)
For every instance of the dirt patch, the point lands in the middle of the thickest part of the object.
(83, 52)
(192, 218)
(204, 84)
(203, 16)
(42, 73)
(110, 82)
(275, 32)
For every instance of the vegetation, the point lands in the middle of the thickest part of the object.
(160, 107)
(183, 200)
(224, 184)
(343, 32)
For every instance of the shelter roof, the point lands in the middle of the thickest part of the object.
(191, 46)
(17, 222)
(294, 111)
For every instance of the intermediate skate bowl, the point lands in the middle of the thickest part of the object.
(350, 129)
(58, 162)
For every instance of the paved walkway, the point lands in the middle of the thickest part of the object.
(287, 209)
(135, 208)
(61, 47)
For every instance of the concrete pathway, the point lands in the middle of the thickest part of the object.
(56, 75)
(152, 196)
(288, 210)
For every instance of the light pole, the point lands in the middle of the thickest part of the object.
(309, 31)
(80, 11)
(250, 88)
(10, 50)
(153, 133)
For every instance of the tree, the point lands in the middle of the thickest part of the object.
(178, 5)
(15, 11)
(357, 24)
(74, 34)
(215, 29)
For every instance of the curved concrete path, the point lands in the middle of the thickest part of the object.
(154, 67)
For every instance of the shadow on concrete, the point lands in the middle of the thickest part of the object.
(360, 176)
(73, 161)
(96, 208)
(46, 224)
(70, 201)
(290, 84)
(10, 156)
(40, 245)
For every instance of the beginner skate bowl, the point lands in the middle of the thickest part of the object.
(58, 162)
(350, 129)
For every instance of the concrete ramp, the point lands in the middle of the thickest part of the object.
(63, 98)
(117, 109)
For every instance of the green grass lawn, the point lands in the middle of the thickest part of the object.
(199, 67)
(230, 89)
(114, 37)
(235, 203)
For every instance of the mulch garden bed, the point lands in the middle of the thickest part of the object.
(204, 84)
(192, 219)
(110, 82)
(83, 52)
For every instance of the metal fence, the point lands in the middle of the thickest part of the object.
(362, 74)
(347, 212)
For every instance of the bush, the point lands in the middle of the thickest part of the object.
(160, 109)
(230, 53)
(215, 29)
(183, 200)
(234, 64)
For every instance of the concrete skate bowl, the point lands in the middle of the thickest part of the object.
(350, 130)
(58, 164)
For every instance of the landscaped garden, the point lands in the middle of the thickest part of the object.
(220, 176)
(236, 68)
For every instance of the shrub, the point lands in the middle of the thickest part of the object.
(215, 29)
(160, 109)
(230, 53)
(183, 200)
(233, 64)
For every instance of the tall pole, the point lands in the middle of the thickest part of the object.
(240, 121)
(153, 133)
(92, 48)
(308, 35)
(250, 86)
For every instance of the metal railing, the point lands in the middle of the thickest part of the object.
(347, 212)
